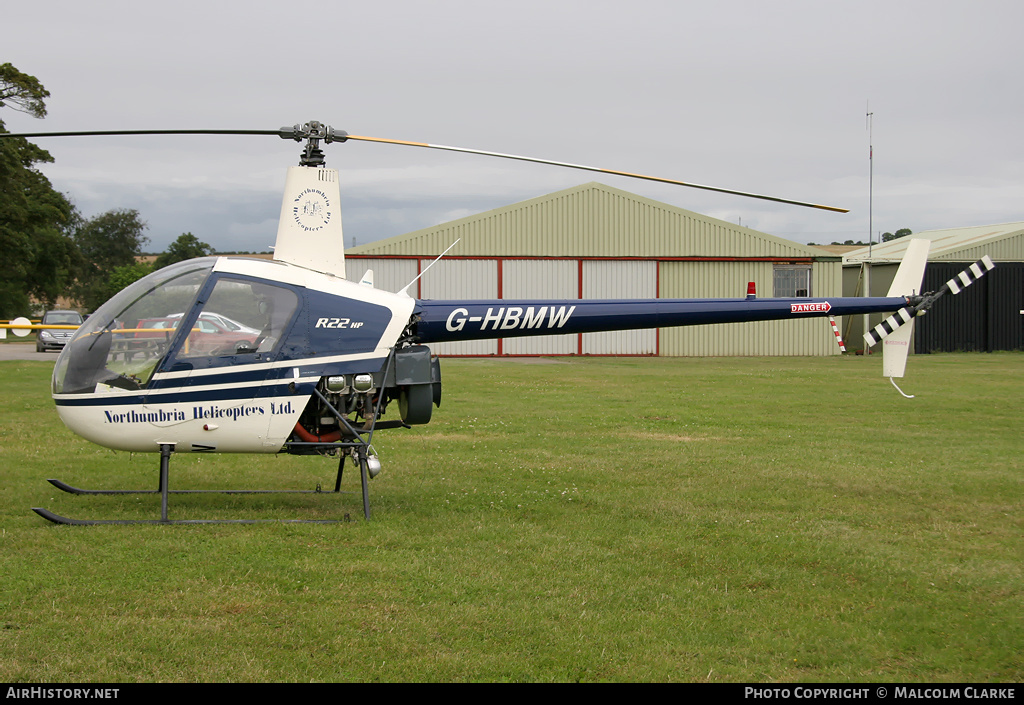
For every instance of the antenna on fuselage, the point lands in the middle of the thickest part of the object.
(405, 289)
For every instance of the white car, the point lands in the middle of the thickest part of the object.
(224, 321)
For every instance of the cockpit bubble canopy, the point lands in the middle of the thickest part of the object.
(112, 349)
(181, 317)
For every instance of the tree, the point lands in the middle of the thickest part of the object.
(52, 270)
(902, 232)
(36, 253)
(126, 275)
(22, 92)
(108, 241)
(187, 246)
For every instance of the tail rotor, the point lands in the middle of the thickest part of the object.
(906, 315)
(895, 331)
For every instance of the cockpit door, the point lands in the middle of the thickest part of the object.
(224, 356)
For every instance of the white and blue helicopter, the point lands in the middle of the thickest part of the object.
(241, 355)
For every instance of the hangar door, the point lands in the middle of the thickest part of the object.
(620, 279)
(540, 279)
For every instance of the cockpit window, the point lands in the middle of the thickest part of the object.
(240, 317)
(120, 345)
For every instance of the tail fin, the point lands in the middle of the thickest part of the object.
(895, 331)
(895, 327)
(896, 342)
(309, 230)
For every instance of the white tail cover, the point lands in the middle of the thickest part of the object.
(910, 275)
(907, 282)
(309, 230)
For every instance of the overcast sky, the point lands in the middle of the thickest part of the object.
(767, 97)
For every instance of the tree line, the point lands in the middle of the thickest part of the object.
(886, 237)
(48, 250)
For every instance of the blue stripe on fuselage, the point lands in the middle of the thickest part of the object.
(276, 381)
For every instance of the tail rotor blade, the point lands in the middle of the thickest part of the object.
(970, 275)
(889, 325)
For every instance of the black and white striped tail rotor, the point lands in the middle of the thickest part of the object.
(970, 275)
(905, 315)
(889, 325)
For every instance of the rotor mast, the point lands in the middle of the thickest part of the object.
(309, 232)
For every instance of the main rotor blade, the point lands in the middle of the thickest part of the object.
(599, 170)
(94, 133)
(290, 133)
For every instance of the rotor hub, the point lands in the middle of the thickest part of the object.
(313, 132)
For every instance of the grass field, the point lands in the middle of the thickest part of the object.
(753, 520)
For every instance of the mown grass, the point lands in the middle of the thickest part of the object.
(783, 519)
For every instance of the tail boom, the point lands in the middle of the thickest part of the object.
(441, 321)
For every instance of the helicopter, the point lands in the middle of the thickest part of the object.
(238, 355)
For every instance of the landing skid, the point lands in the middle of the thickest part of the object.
(359, 453)
(68, 521)
(65, 487)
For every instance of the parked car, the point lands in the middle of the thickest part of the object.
(225, 322)
(56, 339)
(207, 337)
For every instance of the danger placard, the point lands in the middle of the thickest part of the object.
(817, 307)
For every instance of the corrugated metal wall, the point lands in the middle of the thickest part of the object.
(462, 279)
(1009, 249)
(540, 279)
(595, 241)
(686, 280)
(623, 279)
(388, 274)
(620, 279)
(984, 317)
(591, 220)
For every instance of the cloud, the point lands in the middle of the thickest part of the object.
(763, 97)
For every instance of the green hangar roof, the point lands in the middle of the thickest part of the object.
(1003, 242)
(591, 220)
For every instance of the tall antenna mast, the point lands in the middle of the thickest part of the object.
(869, 119)
(871, 176)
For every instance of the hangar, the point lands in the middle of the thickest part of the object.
(596, 241)
(984, 318)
